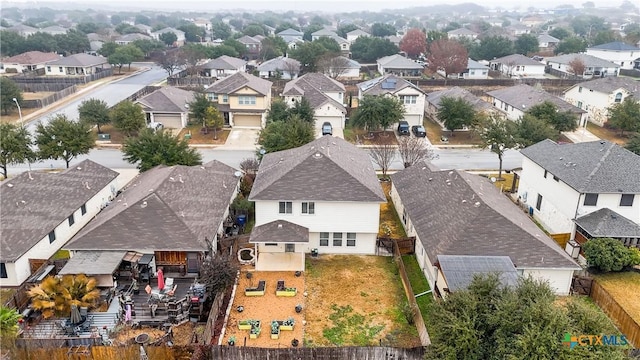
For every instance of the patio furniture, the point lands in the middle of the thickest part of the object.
(256, 291)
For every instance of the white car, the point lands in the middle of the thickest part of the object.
(155, 125)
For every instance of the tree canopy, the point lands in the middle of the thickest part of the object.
(198, 108)
(531, 130)
(94, 112)
(369, 49)
(374, 112)
(63, 139)
(382, 30)
(498, 135)
(448, 56)
(492, 47)
(169, 38)
(456, 113)
(571, 45)
(55, 294)
(607, 254)
(414, 43)
(9, 92)
(128, 117)
(625, 116)
(152, 148)
(549, 112)
(633, 144)
(288, 134)
(15, 146)
(309, 53)
(526, 44)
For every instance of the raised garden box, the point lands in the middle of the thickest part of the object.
(256, 291)
(287, 292)
(246, 324)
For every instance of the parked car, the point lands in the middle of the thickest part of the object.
(403, 128)
(155, 125)
(419, 131)
(327, 129)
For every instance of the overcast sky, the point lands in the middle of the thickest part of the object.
(296, 5)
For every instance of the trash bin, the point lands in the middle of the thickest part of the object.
(187, 136)
(241, 220)
(531, 210)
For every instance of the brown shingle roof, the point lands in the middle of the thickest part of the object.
(167, 99)
(237, 81)
(313, 86)
(31, 58)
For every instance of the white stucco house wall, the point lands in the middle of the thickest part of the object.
(59, 203)
(223, 66)
(325, 194)
(282, 67)
(597, 96)
(594, 67)
(28, 61)
(617, 52)
(77, 65)
(457, 213)
(411, 96)
(561, 183)
(517, 65)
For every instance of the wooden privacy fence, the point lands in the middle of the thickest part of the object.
(324, 353)
(629, 327)
(213, 317)
(411, 296)
(71, 80)
(100, 353)
(46, 101)
(561, 239)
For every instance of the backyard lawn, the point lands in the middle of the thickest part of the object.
(355, 301)
(621, 285)
(390, 224)
(419, 284)
(606, 133)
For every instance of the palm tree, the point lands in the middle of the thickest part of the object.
(8, 321)
(55, 294)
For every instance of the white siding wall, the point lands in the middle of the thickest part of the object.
(19, 271)
(336, 95)
(612, 201)
(596, 103)
(513, 113)
(350, 74)
(328, 112)
(623, 58)
(414, 113)
(611, 71)
(559, 279)
(55, 70)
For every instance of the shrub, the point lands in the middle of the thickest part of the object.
(607, 254)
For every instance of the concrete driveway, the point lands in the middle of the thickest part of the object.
(336, 133)
(242, 139)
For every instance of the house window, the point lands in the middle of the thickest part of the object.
(590, 199)
(285, 207)
(579, 89)
(351, 239)
(52, 236)
(83, 209)
(539, 202)
(580, 104)
(404, 216)
(225, 98)
(246, 100)
(337, 239)
(618, 97)
(71, 220)
(60, 69)
(626, 200)
(409, 99)
(289, 247)
(324, 239)
(49, 68)
(518, 68)
(3, 271)
(212, 96)
(270, 244)
(309, 208)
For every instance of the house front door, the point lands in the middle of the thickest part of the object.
(193, 264)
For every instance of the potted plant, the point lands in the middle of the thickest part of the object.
(295, 342)
(299, 308)
(232, 340)
(275, 329)
(288, 324)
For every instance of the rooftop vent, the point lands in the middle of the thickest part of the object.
(279, 226)
(10, 185)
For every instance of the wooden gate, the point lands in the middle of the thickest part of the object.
(406, 246)
(581, 285)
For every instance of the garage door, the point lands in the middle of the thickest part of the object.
(413, 119)
(337, 122)
(247, 120)
(169, 121)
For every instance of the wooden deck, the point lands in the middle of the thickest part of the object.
(165, 312)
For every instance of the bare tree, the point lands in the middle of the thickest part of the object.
(577, 67)
(510, 65)
(413, 150)
(382, 155)
(172, 60)
(333, 66)
(292, 67)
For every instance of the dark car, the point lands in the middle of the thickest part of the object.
(419, 131)
(327, 129)
(403, 128)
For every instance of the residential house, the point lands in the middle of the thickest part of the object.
(168, 105)
(606, 223)
(97, 37)
(462, 33)
(342, 42)
(617, 52)
(129, 38)
(395, 40)
(547, 42)
(399, 65)
(560, 183)
(175, 214)
(594, 67)
(410, 95)
(516, 100)
(340, 67)
(456, 272)
(223, 66)
(53, 30)
(518, 65)
(291, 36)
(180, 38)
(28, 61)
(355, 34)
(516, 30)
(597, 96)
(533, 21)
(324, 94)
(474, 70)
(243, 99)
(323, 197)
(94, 47)
(77, 64)
(457, 213)
(252, 45)
(433, 100)
(280, 67)
(204, 24)
(41, 211)
(23, 30)
(146, 29)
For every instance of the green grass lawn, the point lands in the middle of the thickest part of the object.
(419, 284)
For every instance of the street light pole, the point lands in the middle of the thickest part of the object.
(19, 111)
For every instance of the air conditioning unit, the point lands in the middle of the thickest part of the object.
(573, 249)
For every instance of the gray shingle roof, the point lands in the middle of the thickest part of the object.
(167, 99)
(80, 60)
(610, 84)
(290, 32)
(459, 270)
(524, 97)
(374, 86)
(358, 32)
(224, 62)
(280, 63)
(589, 167)
(516, 59)
(472, 64)
(326, 169)
(324, 32)
(588, 60)
(313, 86)
(35, 204)
(246, 40)
(462, 31)
(456, 213)
(608, 223)
(398, 62)
(239, 80)
(279, 231)
(31, 58)
(546, 38)
(459, 93)
(615, 46)
(166, 208)
(133, 37)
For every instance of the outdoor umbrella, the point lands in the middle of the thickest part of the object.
(127, 315)
(160, 280)
(75, 315)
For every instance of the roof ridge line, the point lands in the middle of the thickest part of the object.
(598, 165)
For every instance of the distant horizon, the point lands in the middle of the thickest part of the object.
(326, 6)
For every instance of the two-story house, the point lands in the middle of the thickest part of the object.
(593, 67)
(410, 95)
(292, 37)
(462, 33)
(252, 46)
(342, 42)
(127, 39)
(560, 184)
(28, 61)
(547, 42)
(41, 211)
(323, 197)
(223, 66)
(399, 65)
(517, 65)
(77, 64)
(617, 52)
(280, 67)
(460, 214)
(355, 34)
(243, 99)
(597, 96)
(168, 105)
(514, 101)
(324, 94)
(180, 36)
